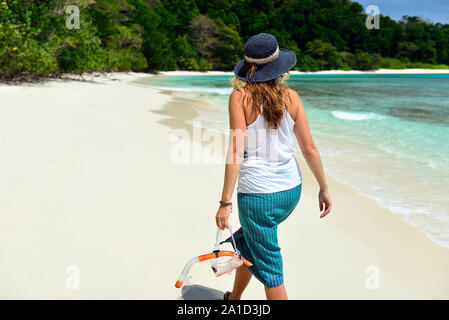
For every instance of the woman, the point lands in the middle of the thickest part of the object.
(262, 121)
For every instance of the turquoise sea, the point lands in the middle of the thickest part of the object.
(385, 135)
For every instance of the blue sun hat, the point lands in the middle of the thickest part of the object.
(271, 61)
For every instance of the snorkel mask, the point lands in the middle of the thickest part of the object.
(221, 261)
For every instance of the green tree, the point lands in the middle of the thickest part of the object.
(365, 61)
(157, 45)
(407, 50)
(204, 33)
(306, 63)
(187, 54)
(324, 53)
(229, 47)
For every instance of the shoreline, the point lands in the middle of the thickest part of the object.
(124, 74)
(326, 72)
(90, 183)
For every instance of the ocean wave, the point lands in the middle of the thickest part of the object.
(356, 116)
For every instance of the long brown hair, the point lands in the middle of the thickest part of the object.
(269, 93)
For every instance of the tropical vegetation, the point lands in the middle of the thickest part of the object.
(152, 35)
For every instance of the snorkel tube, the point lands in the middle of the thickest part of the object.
(205, 257)
(217, 253)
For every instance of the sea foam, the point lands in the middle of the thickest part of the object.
(356, 116)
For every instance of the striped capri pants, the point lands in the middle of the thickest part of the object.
(260, 214)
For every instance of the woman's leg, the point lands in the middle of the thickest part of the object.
(276, 293)
(242, 277)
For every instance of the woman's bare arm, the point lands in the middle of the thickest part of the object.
(310, 152)
(234, 154)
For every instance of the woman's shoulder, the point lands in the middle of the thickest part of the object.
(292, 102)
(292, 93)
(240, 92)
(237, 94)
(236, 97)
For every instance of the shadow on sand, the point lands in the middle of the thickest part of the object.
(198, 292)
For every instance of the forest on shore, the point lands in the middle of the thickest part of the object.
(37, 38)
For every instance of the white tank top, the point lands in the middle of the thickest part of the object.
(269, 163)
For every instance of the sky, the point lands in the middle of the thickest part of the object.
(433, 10)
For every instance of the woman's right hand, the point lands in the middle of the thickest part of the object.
(325, 202)
(222, 217)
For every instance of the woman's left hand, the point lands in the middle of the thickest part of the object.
(222, 217)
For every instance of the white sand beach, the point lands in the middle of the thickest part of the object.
(92, 207)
